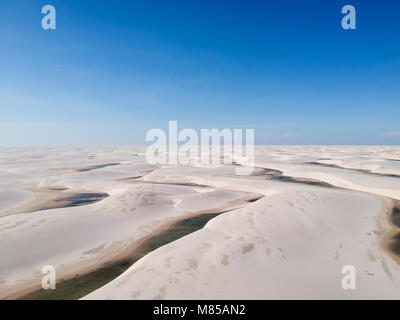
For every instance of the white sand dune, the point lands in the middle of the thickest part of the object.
(291, 243)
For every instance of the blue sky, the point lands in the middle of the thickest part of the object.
(112, 70)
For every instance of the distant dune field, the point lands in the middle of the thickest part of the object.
(283, 232)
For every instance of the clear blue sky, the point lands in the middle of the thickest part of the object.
(114, 69)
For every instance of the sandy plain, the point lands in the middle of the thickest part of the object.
(286, 231)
